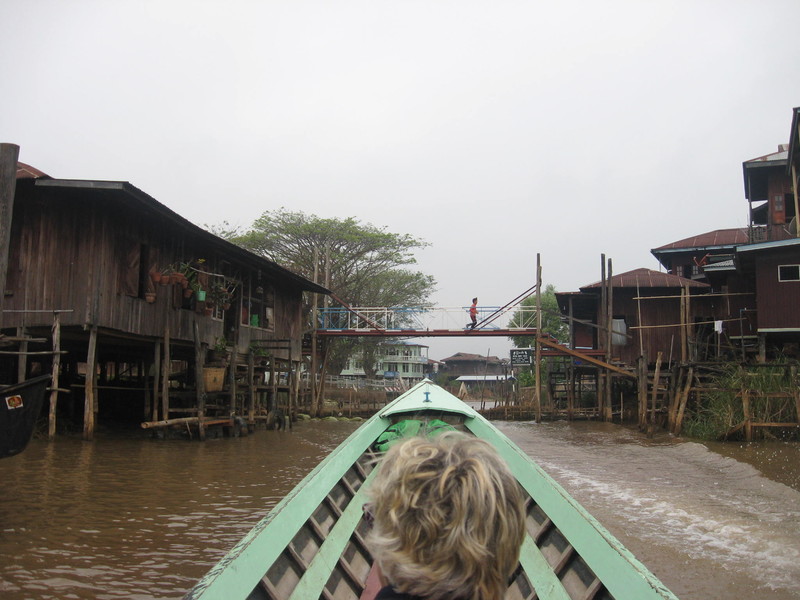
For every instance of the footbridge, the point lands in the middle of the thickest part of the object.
(413, 322)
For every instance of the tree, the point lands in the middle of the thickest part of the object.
(362, 264)
(552, 321)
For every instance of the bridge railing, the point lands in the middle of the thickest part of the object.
(366, 318)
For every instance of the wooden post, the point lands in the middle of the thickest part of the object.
(538, 396)
(8, 183)
(748, 425)
(314, 312)
(689, 329)
(251, 392)
(90, 388)
(684, 353)
(156, 378)
(199, 381)
(22, 362)
(609, 342)
(601, 338)
(570, 365)
(643, 372)
(232, 381)
(165, 372)
(51, 417)
(674, 396)
(684, 398)
(652, 425)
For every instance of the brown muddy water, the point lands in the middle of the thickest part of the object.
(125, 517)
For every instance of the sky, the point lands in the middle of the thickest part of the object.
(495, 131)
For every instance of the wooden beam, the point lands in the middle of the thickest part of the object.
(91, 386)
(585, 357)
(51, 417)
(8, 183)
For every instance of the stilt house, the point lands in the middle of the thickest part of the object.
(153, 319)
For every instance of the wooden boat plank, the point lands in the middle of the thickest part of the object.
(624, 576)
(318, 572)
(544, 580)
(241, 569)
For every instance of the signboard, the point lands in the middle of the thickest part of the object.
(521, 357)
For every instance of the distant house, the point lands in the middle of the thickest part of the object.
(141, 297)
(775, 268)
(769, 191)
(689, 257)
(395, 359)
(647, 314)
(462, 363)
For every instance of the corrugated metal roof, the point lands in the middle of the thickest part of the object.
(781, 154)
(769, 245)
(467, 356)
(647, 278)
(711, 239)
(28, 172)
(723, 265)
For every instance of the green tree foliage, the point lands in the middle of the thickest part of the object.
(552, 323)
(367, 264)
(364, 265)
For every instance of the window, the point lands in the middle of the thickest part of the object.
(619, 332)
(258, 302)
(789, 273)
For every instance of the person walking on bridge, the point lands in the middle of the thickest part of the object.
(473, 314)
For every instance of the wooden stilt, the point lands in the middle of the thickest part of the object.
(156, 378)
(684, 398)
(91, 388)
(199, 381)
(652, 424)
(251, 391)
(165, 373)
(22, 362)
(538, 348)
(748, 424)
(51, 417)
(609, 343)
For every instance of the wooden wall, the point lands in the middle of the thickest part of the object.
(75, 251)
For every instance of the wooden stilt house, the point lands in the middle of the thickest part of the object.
(151, 318)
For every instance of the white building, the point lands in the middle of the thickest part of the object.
(395, 359)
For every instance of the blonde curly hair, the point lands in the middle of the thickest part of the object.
(449, 518)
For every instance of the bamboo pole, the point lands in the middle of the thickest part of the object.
(91, 386)
(609, 343)
(652, 425)
(165, 371)
(748, 425)
(538, 397)
(314, 325)
(51, 417)
(251, 391)
(156, 377)
(675, 389)
(684, 398)
(602, 338)
(199, 380)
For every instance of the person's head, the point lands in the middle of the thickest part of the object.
(449, 518)
(474, 300)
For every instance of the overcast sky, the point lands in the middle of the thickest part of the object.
(492, 130)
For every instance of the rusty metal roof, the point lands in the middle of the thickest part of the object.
(28, 172)
(781, 155)
(647, 278)
(711, 239)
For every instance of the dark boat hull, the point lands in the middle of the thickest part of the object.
(19, 408)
